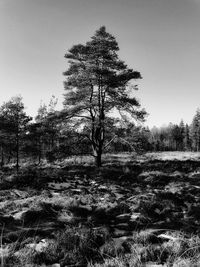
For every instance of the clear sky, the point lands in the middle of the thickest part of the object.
(159, 38)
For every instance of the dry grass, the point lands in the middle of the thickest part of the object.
(175, 155)
(79, 221)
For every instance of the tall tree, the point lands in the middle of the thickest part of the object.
(195, 131)
(98, 82)
(45, 129)
(15, 121)
(182, 134)
(187, 141)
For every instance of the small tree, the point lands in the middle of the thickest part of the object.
(97, 83)
(4, 139)
(45, 129)
(15, 122)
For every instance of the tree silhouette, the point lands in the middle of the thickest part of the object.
(98, 82)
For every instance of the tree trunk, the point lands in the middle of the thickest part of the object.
(2, 157)
(39, 151)
(39, 157)
(17, 165)
(9, 156)
(97, 153)
(98, 158)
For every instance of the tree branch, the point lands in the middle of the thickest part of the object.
(110, 142)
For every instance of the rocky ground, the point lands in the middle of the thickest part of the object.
(141, 211)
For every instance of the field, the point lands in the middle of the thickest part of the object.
(136, 210)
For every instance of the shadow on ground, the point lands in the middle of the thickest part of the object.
(116, 205)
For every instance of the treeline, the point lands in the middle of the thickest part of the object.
(43, 137)
(50, 137)
(174, 137)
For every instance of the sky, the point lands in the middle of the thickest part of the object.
(159, 38)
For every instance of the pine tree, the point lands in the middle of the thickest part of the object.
(97, 83)
(15, 122)
(181, 133)
(45, 128)
(195, 131)
(187, 141)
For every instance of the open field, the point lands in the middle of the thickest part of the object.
(127, 158)
(134, 211)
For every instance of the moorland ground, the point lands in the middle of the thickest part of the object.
(136, 210)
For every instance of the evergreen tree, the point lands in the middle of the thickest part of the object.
(45, 129)
(181, 135)
(15, 122)
(195, 131)
(97, 83)
(187, 141)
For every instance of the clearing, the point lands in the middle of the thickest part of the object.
(134, 211)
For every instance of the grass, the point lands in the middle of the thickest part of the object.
(130, 212)
(125, 158)
(94, 248)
